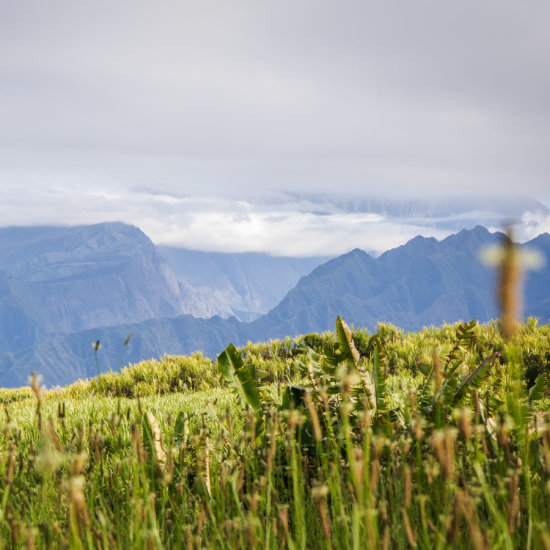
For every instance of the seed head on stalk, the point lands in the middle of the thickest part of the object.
(97, 346)
(510, 276)
(37, 390)
(510, 261)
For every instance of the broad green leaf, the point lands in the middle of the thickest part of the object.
(347, 347)
(230, 361)
(379, 382)
(476, 376)
(425, 394)
(425, 369)
(465, 337)
(448, 390)
(293, 397)
(331, 359)
(239, 377)
(537, 391)
(247, 387)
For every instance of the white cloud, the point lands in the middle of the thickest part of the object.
(279, 224)
(292, 233)
(532, 224)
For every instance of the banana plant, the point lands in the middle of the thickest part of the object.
(339, 366)
(243, 380)
(444, 387)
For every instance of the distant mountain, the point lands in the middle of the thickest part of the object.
(244, 285)
(67, 358)
(422, 283)
(59, 280)
(537, 288)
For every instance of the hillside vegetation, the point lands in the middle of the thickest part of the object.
(435, 439)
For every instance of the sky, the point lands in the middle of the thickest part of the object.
(212, 124)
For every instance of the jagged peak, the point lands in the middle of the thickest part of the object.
(356, 252)
(477, 234)
(334, 263)
(421, 239)
(418, 242)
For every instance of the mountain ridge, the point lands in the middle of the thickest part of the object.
(246, 285)
(72, 279)
(424, 282)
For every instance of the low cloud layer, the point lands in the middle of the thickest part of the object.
(281, 224)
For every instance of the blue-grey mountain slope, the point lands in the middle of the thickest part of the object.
(59, 280)
(424, 282)
(67, 358)
(244, 285)
(537, 288)
(421, 283)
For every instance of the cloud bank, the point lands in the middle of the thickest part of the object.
(280, 224)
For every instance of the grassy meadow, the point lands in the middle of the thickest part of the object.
(436, 439)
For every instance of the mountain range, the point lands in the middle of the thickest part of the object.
(244, 285)
(130, 286)
(60, 281)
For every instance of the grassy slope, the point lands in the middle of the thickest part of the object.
(89, 475)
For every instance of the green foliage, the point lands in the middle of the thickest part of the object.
(362, 341)
(239, 377)
(426, 440)
(314, 341)
(536, 365)
(536, 392)
(380, 390)
(16, 394)
(171, 374)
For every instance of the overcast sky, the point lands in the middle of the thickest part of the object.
(189, 119)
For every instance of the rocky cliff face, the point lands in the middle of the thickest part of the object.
(63, 280)
(245, 285)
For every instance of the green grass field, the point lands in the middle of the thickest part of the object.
(438, 439)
